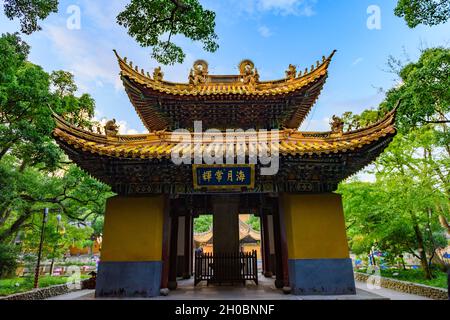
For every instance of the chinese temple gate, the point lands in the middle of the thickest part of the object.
(148, 229)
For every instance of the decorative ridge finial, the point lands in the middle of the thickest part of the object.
(332, 54)
(198, 73)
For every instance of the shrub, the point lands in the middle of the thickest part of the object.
(8, 259)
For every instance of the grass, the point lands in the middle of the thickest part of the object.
(17, 285)
(416, 276)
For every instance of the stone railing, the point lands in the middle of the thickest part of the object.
(407, 287)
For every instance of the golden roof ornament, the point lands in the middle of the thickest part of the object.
(249, 74)
(111, 128)
(199, 73)
(158, 75)
(337, 127)
(256, 75)
(291, 73)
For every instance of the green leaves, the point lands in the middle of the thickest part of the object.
(29, 12)
(424, 91)
(427, 12)
(8, 259)
(26, 96)
(75, 195)
(399, 212)
(34, 172)
(254, 222)
(148, 21)
(63, 83)
(203, 223)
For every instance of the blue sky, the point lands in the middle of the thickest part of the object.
(272, 33)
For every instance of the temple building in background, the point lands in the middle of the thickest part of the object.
(149, 224)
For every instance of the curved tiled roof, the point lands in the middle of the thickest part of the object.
(161, 144)
(218, 100)
(245, 230)
(233, 85)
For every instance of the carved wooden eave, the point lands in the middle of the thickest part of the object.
(218, 100)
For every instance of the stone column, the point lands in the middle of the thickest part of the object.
(225, 223)
(319, 261)
(131, 256)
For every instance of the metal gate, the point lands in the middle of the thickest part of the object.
(226, 267)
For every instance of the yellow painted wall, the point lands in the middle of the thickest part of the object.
(74, 251)
(249, 247)
(133, 229)
(315, 226)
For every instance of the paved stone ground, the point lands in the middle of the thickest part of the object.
(265, 291)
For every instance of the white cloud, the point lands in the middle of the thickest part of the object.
(357, 61)
(283, 7)
(365, 176)
(265, 31)
(103, 13)
(297, 7)
(316, 125)
(90, 64)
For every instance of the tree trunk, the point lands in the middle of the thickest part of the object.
(421, 248)
(16, 226)
(7, 147)
(403, 262)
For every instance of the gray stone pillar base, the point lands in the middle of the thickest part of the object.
(129, 279)
(321, 277)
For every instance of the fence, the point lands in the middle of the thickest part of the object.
(226, 267)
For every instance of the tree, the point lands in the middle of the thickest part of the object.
(203, 223)
(71, 191)
(63, 83)
(29, 12)
(146, 20)
(26, 103)
(424, 108)
(8, 259)
(254, 222)
(34, 172)
(358, 121)
(401, 211)
(424, 91)
(395, 214)
(427, 12)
